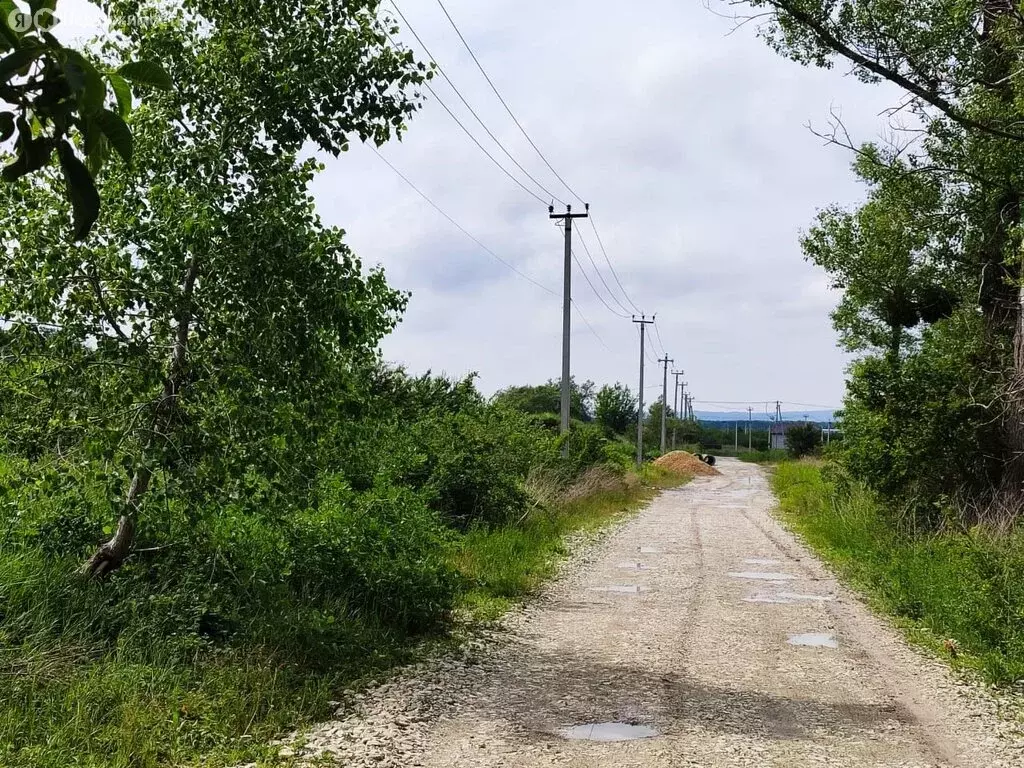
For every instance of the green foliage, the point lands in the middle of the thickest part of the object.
(960, 586)
(547, 398)
(615, 409)
(929, 264)
(922, 436)
(474, 464)
(383, 552)
(803, 440)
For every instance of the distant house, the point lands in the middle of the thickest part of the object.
(777, 435)
(778, 430)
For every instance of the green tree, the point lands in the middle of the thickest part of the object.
(547, 398)
(803, 439)
(219, 311)
(615, 408)
(891, 258)
(958, 64)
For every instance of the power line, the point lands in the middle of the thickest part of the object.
(609, 261)
(652, 351)
(504, 104)
(456, 224)
(587, 323)
(598, 271)
(762, 400)
(594, 290)
(589, 282)
(474, 139)
(660, 342)
(470, 108)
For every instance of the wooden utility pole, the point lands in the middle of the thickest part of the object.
(566, 404)
(643, 322)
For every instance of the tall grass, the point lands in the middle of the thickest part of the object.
(963, 586)
(764, 457)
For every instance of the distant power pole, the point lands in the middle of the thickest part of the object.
(643, 323)
(737, 444)
(675, 406)
(664, 398)
(750, 427)
(567, 217)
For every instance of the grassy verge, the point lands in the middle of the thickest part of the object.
(764, 457)
(67, 699)
(962, 587)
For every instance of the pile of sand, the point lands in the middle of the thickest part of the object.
(685, 464)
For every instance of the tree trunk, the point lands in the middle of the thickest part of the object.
(110, 556)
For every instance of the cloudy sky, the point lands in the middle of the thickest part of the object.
(690, 142)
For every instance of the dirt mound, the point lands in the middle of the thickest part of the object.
(684, 463)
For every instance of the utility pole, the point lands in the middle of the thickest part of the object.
(750, 427)
(664, 398)
(675, 407)
(643, 322)
(567, 217)
(737, 436)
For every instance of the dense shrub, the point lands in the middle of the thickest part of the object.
(923, 434)
(803, 440)
(384, 552)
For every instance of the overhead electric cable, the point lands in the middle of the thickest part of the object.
(587, 323)
(660, 342)
(503, 102)
(472, 111)
(476, 141)
(625, 312)
(609, 261)
(594, 290)
(458, 226)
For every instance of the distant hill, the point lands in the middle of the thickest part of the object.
(714, 416)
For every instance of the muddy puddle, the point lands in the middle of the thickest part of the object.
(814, 640)
(607, 732)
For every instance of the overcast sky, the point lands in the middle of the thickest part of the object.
(691, 145)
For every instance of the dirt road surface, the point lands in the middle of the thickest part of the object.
(702, 626)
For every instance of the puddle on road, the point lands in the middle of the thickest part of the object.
(814, 640)
(759, 561)
(817, 598)
(607, 732)
(761, 576)
(771, 599)
(634, 566)
(626, 589)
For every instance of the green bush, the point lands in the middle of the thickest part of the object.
(803, 440)
(383, 552)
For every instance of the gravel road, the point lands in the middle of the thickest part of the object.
(682, 624)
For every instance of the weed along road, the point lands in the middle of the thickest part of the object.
(700, 633)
